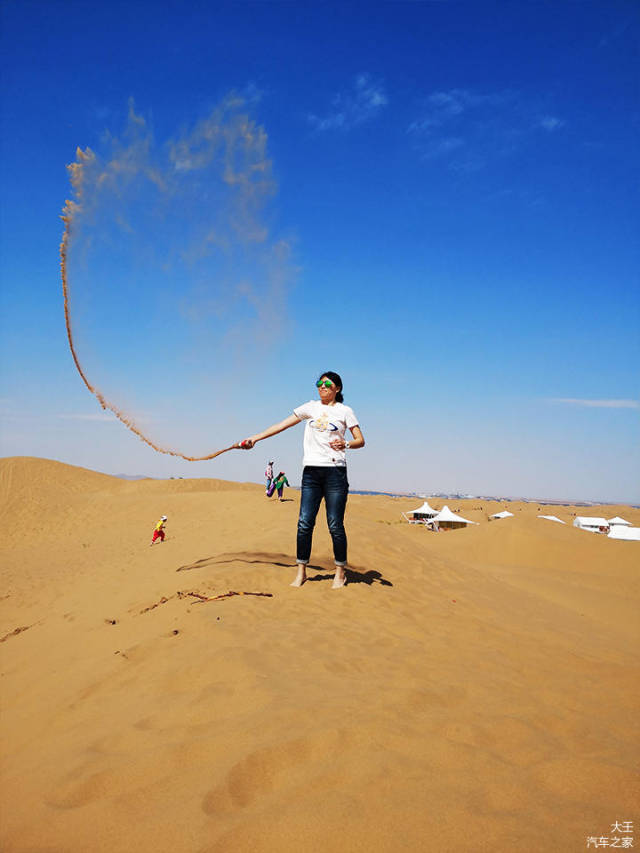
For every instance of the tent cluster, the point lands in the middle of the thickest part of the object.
(615, 528)
(443, 520)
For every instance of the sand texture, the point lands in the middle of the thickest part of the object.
(467, 691)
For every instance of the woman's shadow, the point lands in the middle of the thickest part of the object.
(354, 575)
(369, 576)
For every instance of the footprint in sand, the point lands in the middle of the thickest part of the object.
(73, 794)
(146, 724)
(274, 768)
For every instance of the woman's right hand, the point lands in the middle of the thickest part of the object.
(251, 442)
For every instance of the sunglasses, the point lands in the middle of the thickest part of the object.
(324, 383)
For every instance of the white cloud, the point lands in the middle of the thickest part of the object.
(597, 404)
(361, 102)
(484, 125)
(479, 123)
(550, 123)
(445, 108)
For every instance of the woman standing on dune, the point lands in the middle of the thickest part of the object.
(325, 468)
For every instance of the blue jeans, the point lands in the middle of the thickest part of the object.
(331, 484)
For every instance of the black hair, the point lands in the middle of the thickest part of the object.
(337, 381)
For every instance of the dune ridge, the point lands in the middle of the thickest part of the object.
(474, 690)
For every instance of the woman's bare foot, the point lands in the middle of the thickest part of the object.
(340, 578)
(301, 576)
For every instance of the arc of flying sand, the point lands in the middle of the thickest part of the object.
(69, 210)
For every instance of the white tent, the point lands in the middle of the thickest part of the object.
(446, 519)
(504, 514)
(621, 531)
(423, 513)
(618, 520)
(425, 509)
(593, 524)
(552, 518)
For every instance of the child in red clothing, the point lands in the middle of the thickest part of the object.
(158, 532)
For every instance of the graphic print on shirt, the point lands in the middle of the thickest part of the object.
(323, 424)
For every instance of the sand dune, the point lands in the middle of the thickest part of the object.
(475, 690)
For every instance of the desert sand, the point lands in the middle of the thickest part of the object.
(466, 691)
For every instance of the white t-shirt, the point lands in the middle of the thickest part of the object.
(324, 423)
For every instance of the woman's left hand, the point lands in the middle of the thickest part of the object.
(338, 443)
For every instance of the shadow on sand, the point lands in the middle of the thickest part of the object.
(354, 574)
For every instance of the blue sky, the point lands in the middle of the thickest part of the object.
(456, 185)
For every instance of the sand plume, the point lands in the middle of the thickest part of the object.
(188, 220)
